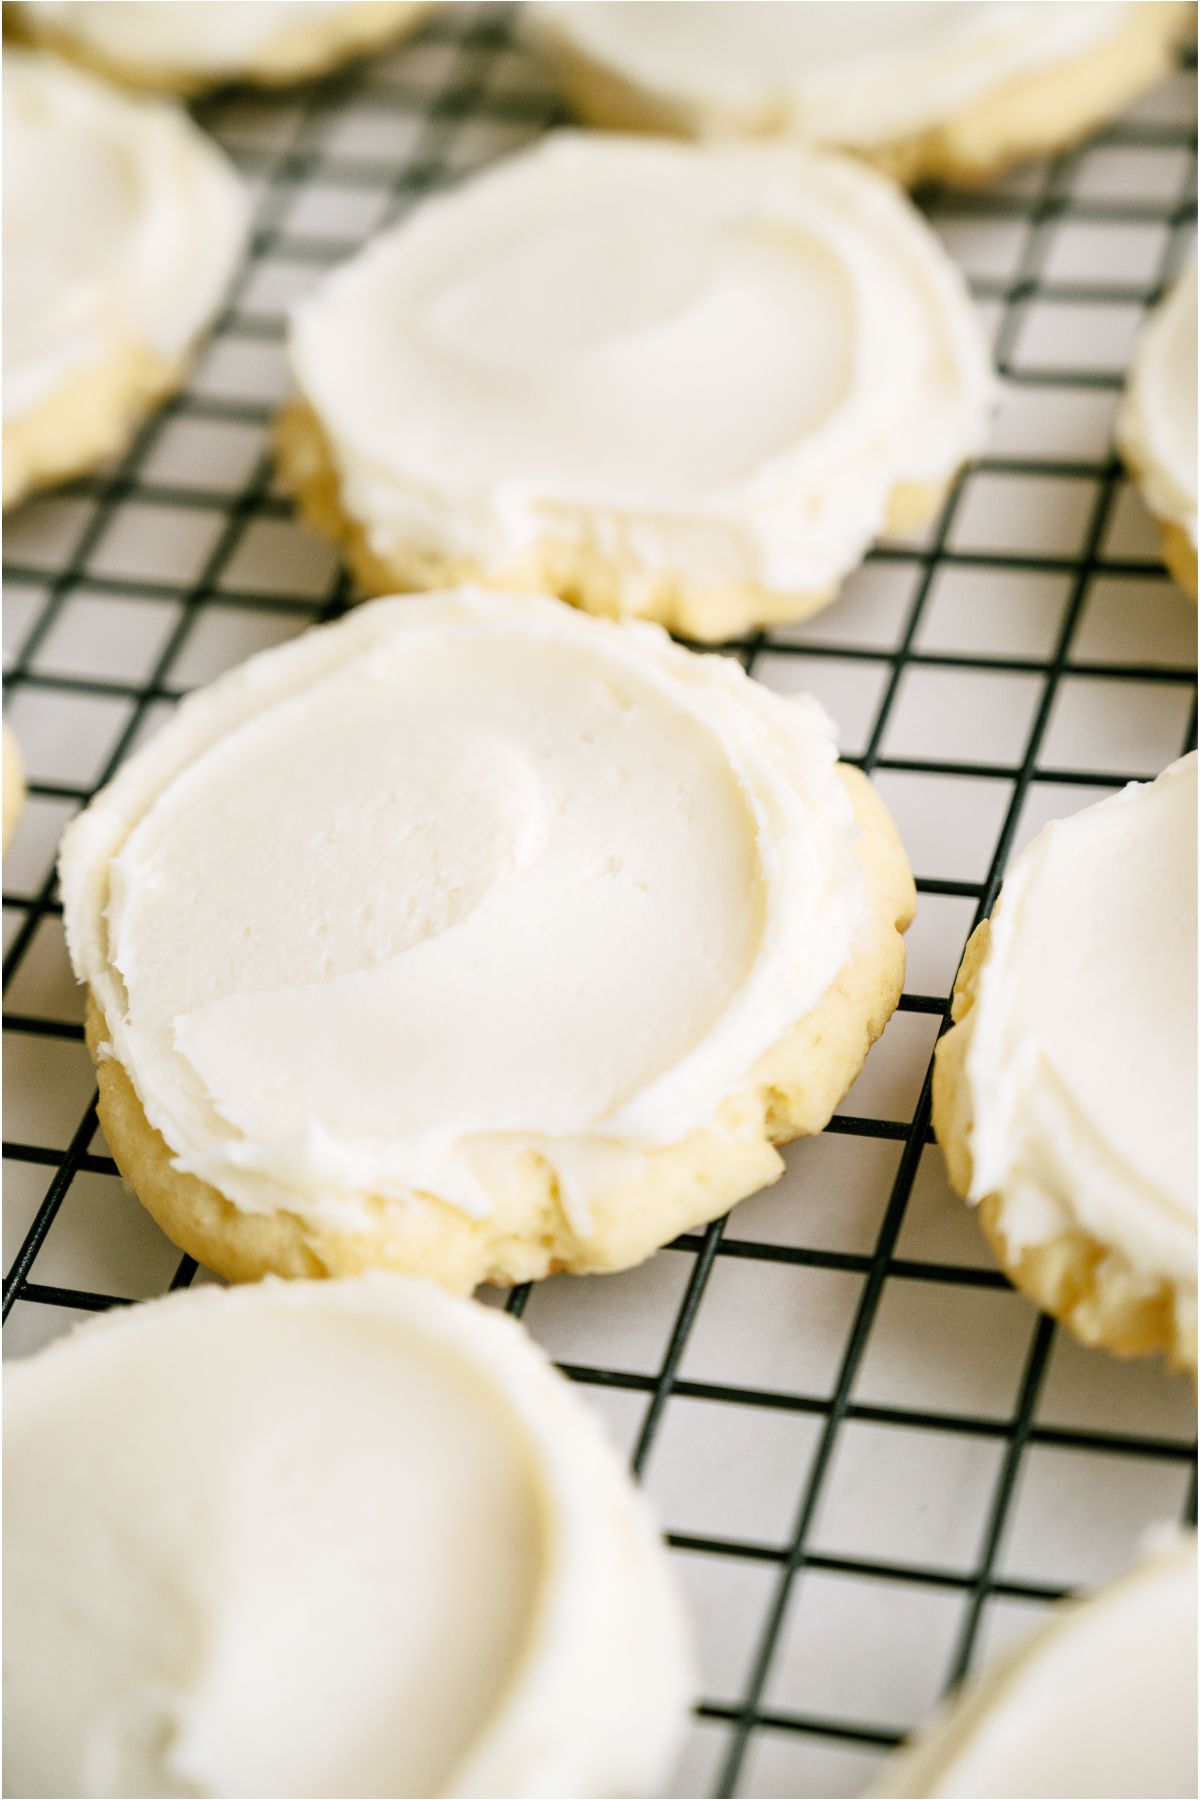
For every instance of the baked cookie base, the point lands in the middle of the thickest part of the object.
(92, 417)
(13, 787)
(1179, 554)
(1030, 116)
(795, 1088)
(297, 55)
(1089, 1286)
(576, 572)
(1178, 550)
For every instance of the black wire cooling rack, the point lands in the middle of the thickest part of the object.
(874, 1461)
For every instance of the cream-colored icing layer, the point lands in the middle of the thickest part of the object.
(1102, 1701)
(715, 362)
(1082, 1058)
(324, 1538)
(453, 868)
(858, 76)
(1157, 424)
(122, 223)
(207, 37)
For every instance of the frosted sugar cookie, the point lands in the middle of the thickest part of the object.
(1064, 1097)
(183, 47)
(652, 378)
(1101, 1701)
(954, 92)
(122, 225)
(1156, 426)
(479, 939)
(349, 1537)
(13, 786)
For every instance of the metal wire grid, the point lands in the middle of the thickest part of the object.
(331, 164)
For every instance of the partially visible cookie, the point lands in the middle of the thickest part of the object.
(1064, 1097)
(476, 938)
(348, 1537)
(954, 92)
(14, 786)
(122, 226)
(1100, 1701)
(1156, 426)
(186, 46)
(660, 380)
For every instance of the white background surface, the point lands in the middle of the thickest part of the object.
(875, 1463)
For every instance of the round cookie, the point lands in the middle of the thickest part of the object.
(349, 1537)
(122, 226)
(683, 383)
(479, 939)
(1101, 1700)
(924, 91)
(1064, 1097)
(13, 785)
(1156, 426)
(186, 46)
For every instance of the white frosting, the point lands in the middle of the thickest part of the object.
(1157, 424)
(454, 868)
(858, 76)
(717, 363)
(1101, 1702)
(324, 1538)
(202, 37)
(1082, 1057)
(122, 224)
